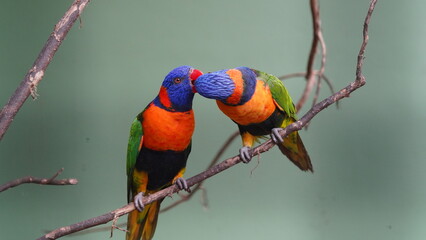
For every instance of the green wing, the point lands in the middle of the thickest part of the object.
(279, 92)
(136, 133)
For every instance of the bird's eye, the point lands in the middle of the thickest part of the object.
(177, 80)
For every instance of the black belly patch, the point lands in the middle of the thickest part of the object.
(161, 166)
(265, 127)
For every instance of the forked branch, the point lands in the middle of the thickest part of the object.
(359, 82)
(317, 38)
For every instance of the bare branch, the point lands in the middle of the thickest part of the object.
(359, 82)
(359, 76)
(219, 153)
(312, 75)
(322, 68)
(317, 91)
(206, 174)
(330, 86)
(317, 36)
(316, 23)
(292, 75)
(184, 197)
(44, 181)
(320, 76)
(35, 74)
(107, 217)
(323, 49)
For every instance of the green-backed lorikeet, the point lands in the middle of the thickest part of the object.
(260, 105)
(159, 145)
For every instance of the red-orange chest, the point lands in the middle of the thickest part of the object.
(256, 110)
(164, 130)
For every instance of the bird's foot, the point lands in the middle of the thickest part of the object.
(182, 184)
(138, 202)
(276, 136)
(245, 154)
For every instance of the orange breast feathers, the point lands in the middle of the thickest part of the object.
(164, 130)
(256, 110)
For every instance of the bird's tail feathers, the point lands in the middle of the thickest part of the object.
(143, 224)
(294, 149)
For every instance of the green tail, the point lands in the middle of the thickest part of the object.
(143, 224)
(294, 149)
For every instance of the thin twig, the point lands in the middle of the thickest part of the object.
(310, 77)
(35, 74)
(318, 74)
(316, 26)
(204, 200)
(359, 82)
(323, 61)
(330, 86)
(183, 197)
(323, 49)
(293, 75)
(44, 181)
(359, 76)
(317, 91)
(206, 174)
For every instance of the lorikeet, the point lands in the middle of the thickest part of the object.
(159, 145)
(259, 104)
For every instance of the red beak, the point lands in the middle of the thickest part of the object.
(194, 75)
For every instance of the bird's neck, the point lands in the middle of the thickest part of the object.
(163, 101)
(243, 95)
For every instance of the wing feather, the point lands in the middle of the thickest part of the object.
(133, 149)
(279, 93)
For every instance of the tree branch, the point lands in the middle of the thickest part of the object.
(319, 74)
(317, 37)
(360, 62)
(309, 75)
(35, 74)
(44, 181)
(316, 28)
(206, 174)
(198, 186)
(359, 82)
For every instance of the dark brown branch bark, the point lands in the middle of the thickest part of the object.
(35, 74)
(44, 181)
(317, 37)
(206, 174)
(198, 186)
(360, 62)
(359, 82)
(316, 28)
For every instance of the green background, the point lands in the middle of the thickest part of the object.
(368, 155)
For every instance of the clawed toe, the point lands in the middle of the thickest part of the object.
(245, 154)
(138, 202)
(276, 136)
(182, 184)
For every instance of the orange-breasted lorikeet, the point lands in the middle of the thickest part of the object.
(260, 105)
(159, 145)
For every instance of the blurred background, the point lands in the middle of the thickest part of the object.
(368, 155)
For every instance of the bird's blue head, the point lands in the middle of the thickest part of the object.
(231, 86)
(177, 90)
